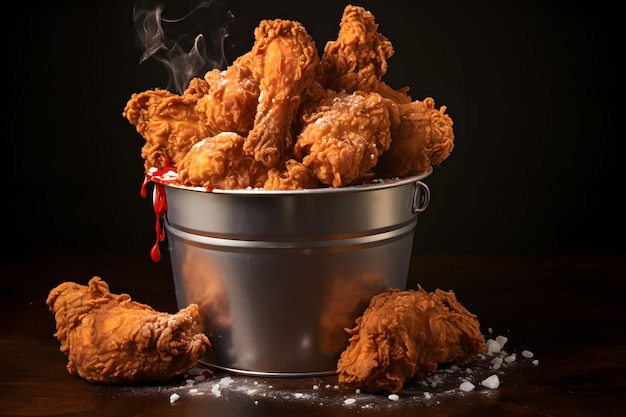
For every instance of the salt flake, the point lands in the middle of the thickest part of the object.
(492, 346)
(501, 340)
(491, 382)
(467, 386)
(510, 358)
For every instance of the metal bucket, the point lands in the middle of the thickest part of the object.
(279, 275)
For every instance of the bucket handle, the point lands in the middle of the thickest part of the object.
(421, 197)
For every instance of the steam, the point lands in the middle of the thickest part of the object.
(179, 42)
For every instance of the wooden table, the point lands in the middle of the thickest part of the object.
(565, 309)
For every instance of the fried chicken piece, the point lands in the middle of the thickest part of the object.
(344, 135)
(294, 176)
(399, 96)
(232, 100)
(285, 60)
(424, 137)
(406, 334)
(168, 122)
(357, 60)
(110, 339)
(220, 162)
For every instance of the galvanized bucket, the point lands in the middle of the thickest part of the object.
(279, 275)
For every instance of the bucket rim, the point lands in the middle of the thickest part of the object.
(375, 185)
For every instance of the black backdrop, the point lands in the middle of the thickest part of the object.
(535, 90)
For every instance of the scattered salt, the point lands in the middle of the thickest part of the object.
(496, 361)
(467, 386)
(495, 357)
(216, 390)
(510, 358)
(492, 346)
(226, 381)
(491, 382)
(501, 340)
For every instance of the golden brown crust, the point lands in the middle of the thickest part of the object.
(292, 176)
(343, 137)
(286, 66)
(406, 334)
(277, 97)
(423, 137)
(220, 162)
(357, 59)
(109, 338)
(168, 122)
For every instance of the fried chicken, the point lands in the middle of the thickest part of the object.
(285, 60)
(424, 137)
(168, 122)
(232, 100)
(293, 176)
(220, 162)
(357, 60)
(406, 334)
(294, 114)
(110, 339)
(344, 135)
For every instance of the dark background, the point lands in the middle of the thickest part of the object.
(535, 90)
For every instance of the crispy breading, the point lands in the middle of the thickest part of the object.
(357, 59)
(168, 122)
(109, 338)
(286, 64)
(344, 135)
(407, 334)
(220, 162)
(293, 176)
(423, 138)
